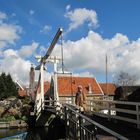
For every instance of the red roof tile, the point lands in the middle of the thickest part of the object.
(108, 89)
(67, 86)
(46, 87)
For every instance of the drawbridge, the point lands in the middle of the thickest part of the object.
(104, 123)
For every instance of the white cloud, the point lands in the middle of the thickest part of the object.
(84, 74)
(81, 15)
(9, 34)
(10, 61)
(68, 7)
(88, 54)
(10, 53)
(16, 66)
(47, 76)
(27, 50)
(13, 14)
(31, 12)
(2, 17)
(46, 29)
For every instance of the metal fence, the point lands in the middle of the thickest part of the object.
(80, 127)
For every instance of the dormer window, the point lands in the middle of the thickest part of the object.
(89, 89)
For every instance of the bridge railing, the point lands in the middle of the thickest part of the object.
(120, 110)
(78, 126)
(47, 104)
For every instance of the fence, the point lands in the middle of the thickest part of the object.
(81, 127)
(121, 110)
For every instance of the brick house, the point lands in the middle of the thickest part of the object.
(67, 87)
(109, 90)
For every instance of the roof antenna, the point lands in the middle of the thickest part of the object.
(106, 74)
(62, 56)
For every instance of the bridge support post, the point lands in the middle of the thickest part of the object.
(65, 111)
(109, 111)
(138, 116)
(80, 120)
(42, 86)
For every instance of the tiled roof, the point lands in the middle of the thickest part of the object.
(109, 88)
(46, 87)
(22, 93)
(67, 86)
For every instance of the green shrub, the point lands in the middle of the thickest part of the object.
(26, 100)
(24, 118)
(7, 118)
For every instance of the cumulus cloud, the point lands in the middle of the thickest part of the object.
(27, 50)
(81, 15)
(10, 61)
(46, 29)
(14, 60)
(10, 53)
(88, 54)
(18, 68)
(2, 16)
(9, 33)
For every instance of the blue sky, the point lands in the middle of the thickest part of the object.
(92, 28)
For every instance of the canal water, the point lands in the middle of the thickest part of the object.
(6, 134)
(54, 132)
(25, 134)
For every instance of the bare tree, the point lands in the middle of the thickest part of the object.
(125, 79)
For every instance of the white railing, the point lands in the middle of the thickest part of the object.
(121, 110)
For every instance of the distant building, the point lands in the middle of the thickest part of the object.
(108, 90)
(22, 91)
(127, 90)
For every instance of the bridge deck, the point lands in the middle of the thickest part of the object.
(117, 126)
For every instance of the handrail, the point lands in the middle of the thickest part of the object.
(37, 111)
(111, 106)
(117, 135)
(117, 102)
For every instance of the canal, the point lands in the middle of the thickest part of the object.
(56, 130)
(42, 133)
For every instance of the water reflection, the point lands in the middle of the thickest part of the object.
(37, 134)
(55, 131)
(45, 133)
(10, 132)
